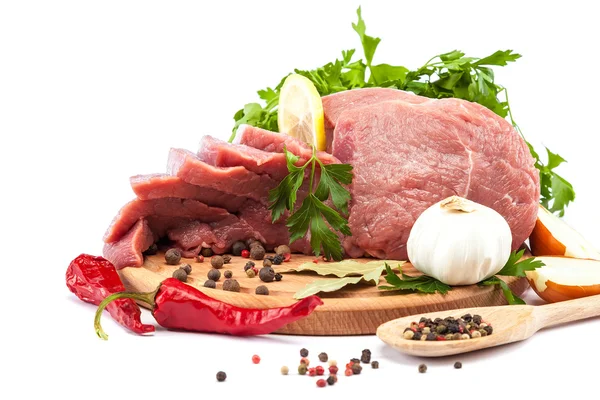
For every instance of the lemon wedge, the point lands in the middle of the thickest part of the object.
(300, 111)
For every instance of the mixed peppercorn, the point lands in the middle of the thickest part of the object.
(466, 327)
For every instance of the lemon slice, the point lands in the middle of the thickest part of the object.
(300, 111)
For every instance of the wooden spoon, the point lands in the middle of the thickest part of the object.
(510, 323)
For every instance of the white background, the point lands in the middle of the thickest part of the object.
(93, 92)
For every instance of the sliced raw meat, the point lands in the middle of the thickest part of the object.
(235, 180)
(159, 186)
(192, 234)
(127, 251)
(275, 142)
(409, 155)
(169, 207)
(231, 230)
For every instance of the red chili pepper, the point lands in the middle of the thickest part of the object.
(92, 279)
(176, 305)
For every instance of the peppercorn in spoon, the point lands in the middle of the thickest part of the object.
(510, 324)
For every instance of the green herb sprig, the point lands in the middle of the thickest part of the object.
(445, 75)
(314, 214)
(423, 283)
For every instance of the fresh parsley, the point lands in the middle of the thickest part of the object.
(445, 75)
(423, 283)
(513, 267)
(314, 215)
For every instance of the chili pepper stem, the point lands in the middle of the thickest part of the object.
(147, 298)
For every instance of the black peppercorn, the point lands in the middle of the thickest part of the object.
(431, 336)
(467, 317)
(278, 277)
(355, 360)
(221, 376)
(237, 248)
(375, 364)
(217, 262)
(152, 250)
(231, 285)
(257, 252)
(249, 265)
(173, 256)
(278, 259)
(187, 268)
(422, 368)
(228, 274)
(488, 329)
(267, 262)
(262, 290)
(283, 250)
(303, 352)
(226, 259)
(366, 356)
(207, 252)
(417, 336)
(323, 357)
(356, 369)
(331, 380)
(214, 274)
(458, 365)
(210, 284)
(250, 242)
(266, 274)
(477, 319)
(180, 274)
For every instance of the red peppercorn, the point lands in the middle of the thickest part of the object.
(305, 361)
(348, 372)
(312, 371)
(440, 338)
(321, 383)
(316, 261)
(255, 359)
(255, 270)
(320, 370)
(349, 365)
(246, 253)
(333, 370)
(422, 325)
(200, 258)
(287, 257)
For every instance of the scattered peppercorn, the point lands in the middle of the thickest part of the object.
(321, 383)
(278, 259)
(228, 274)
(214, 274)
(332, 363)
(173, 256)
(355, 361)
(266, 274)
(302, 369)
(303, 352)
(245, 253)
(255, 359)
(348, 372)
(331, 380)
(333, 370)
(257, 252)
(422, 368)
(207, 252)
(250, 273)
(283, 250)
(320, 370)
(287, 257)
(262, 290)
(237, 248)
(458, 365)
(366, 356)
(152, 250)
(231, 285)
(180, 274)
(449, 328)
(375, 364)
(278, 277)
(249, 265)
(217, 262)
(284, 370)
(356, 369)
(305, 361)
(267, 262)
(250, 242)
(312, 372)
(199, 258)
(323, 357)
(210, 284)
(221, 376)
(226, 259)
(187, 268)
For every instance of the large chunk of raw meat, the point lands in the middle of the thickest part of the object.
(127, 251)
(407, 155)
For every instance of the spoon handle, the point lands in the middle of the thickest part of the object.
(567, 311)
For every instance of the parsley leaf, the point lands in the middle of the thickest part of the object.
(510, 296)
(423, 283)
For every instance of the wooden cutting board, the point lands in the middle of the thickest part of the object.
(356, 310)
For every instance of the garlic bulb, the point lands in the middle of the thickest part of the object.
(459, 242)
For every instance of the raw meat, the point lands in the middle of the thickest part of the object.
(407, 155)
(127, 251)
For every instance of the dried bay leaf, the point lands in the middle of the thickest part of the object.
(332, 285)
(344, 268)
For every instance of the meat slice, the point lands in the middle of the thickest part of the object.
(169, 207)
(409, 155)
(127, 251)
(159, 186)
(275, 142)
(234, 180)
(192, 235)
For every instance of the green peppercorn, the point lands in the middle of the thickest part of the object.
(210, 284)
(284, 370)
(152, 250)
(267, 262)
(303, 352)
(228, 274)
(375, 364)
(180, 274)
(262, 290)
(250, 273)
(302, 369)
(408, 335)
(206, 252)
(237, 248)
(458, 365)
(323, 357)
(187, 268)
(231, 285)
(214, 274)
(482, 332)
(266, 274)
(422, 368)
(449, 336)
(456, 336)
(475, 334)
(173, 256)
(441, 329)
(257, 252)
(249, 265)
(217, 262)
(221, 376)
(283, 250)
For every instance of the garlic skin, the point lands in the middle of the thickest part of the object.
(459, 242)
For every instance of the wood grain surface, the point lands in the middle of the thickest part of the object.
(356, 310)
